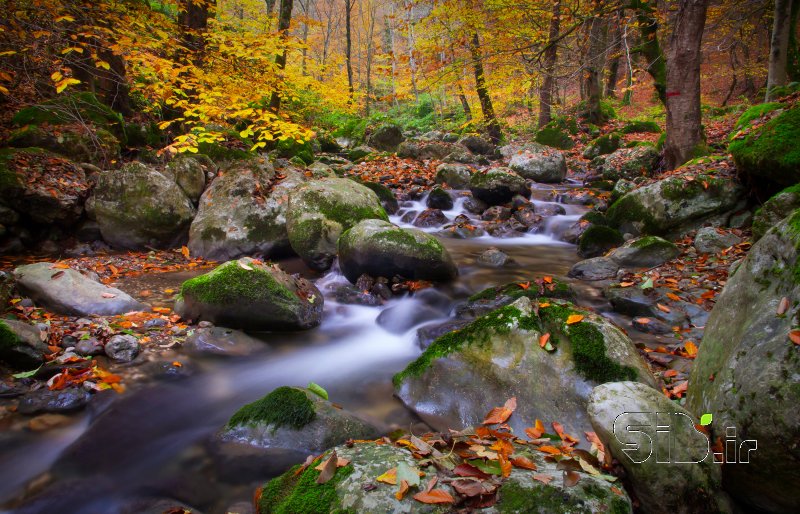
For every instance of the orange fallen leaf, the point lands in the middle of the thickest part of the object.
(671, 373)
(524, 285)
(663, 308)
(794, 336)
(626, 284)
(501, 414)
(548, 279)
(177, 364)
(523, 463)
(574, 318)
(185, 251)
(543, 339)
(402, 491)
(673, 296)
(434, 496)
(783, 306)
(552, 450)
(390, 477)
(690, 348)
(545, 479)
(536, 431)
(571, 478)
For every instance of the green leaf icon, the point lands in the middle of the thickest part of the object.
(705, 419)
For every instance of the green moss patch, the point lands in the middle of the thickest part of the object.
(66, 109)
(285, 406)
(231, 283)
(8, 338)
(554, 137)
(293, 493)
(598, 239)
(641, 126)
(754, 113)
(771, 151)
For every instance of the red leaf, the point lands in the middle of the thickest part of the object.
(468, 470)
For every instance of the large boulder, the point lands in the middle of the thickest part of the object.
(674, 204)
(668, 472)
(243, 212)
(597, 240)
(747, 371)
(497, 186)
(67, 291)
(500, 355)
(629, 163)
(455, 176)
(321, 210)
(713, 240)
(540, 164)
(644, 252)
(381, 249)
(250, 295)
(354, 487)
(78, 142)
(42, 186)
(189, 173)
(477, 144)
(138, 207)
(386, 138)
(21, 344)
(769, 150)
(603, 145)
(775, 210)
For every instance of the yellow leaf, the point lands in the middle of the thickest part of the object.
(66, 17)
(3, 90)
(574, 318)
(102, 64)
(56, 76)
(64, 84)
(164, 124)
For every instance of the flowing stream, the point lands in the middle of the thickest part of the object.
(151, 441)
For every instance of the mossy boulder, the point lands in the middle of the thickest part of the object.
(498, 186)
(621, 188)
(554, 138)
(68, 292)
(629, 163)
(477, 144)
(320, 170)
(290, 148)
(78, 142)
(597, 240)
(360, 152)
(67, 108)
(755, 112)
(438, 198)
(321, 210)
(494, 297)
(662, 486)
(43, 187)
(297, 490)
(280, 429)
(603, 145)
(755, 369)
(138, 207)
(674, 204)
(641, 126)
(21, 345)
(540, 164)
(189, 173)
(770, 151)
(243, 212)
(250, 295)
(644, 252)
(454, 176)
(499, 356)
(385, 195)
(712, 240)
(386, 138)
(380, 249)
(775, 210)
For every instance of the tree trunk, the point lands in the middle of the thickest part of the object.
(348, 8)
(284, 20)
(550, 58)
(193, 19)
(615, 58)
(650, 47)
(684, 129)
(306, 14)
(793, 61)
(779, 47)
(492, 126)
(594, 70)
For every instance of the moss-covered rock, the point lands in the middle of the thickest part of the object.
(499, 355)
(477, 144)
(251, 295)
(454, 176)
(644, 252)
(67, 108)
(629, 163)
(603, 145)
(493, 298)
(775, 209)
(385, 195)
(438, 198)
(755, 366)
(753, 113)
(20, 344)
(138, 207)
(621, 188)
(770, 151)
(189, 173)
(290, 148)
(663, 488)
(597, 240)
(360, 152)
(674, 204)
(497, 186)
(78, 142)
(321, 210)
(243, 212)
(320, 170)
(41, 186)
(640, 126)
(381, 249)
(386, 138)
(555, 138)
(297, 490)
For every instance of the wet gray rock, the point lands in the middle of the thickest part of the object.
(45, 400)
(496, 213)
(66, 291)
(455, 176)
(89, 347)
(425, 150)
(21, 344)
(644, 252)
(122, 348)
(438, 198)
(596, 268)
(528, 216)
(386, 138)
(429, 333)
(189, 173)
(629, 163)
(493, 258)
(477, 144)
(540, 164)
(430, 218)
(498, 186)
(221, 341)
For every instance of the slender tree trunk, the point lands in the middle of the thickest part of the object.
(306, 14)
(793, 61)
(779, 47)
(370, 55)
(550, 59)
(284, 20)
(193, 19)
(594, 70)
(348, 8)
(684, 129)
(650, 47)
(464, 103)
(412, 63)
(492, 126)
(615, 58)
(626, 98)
